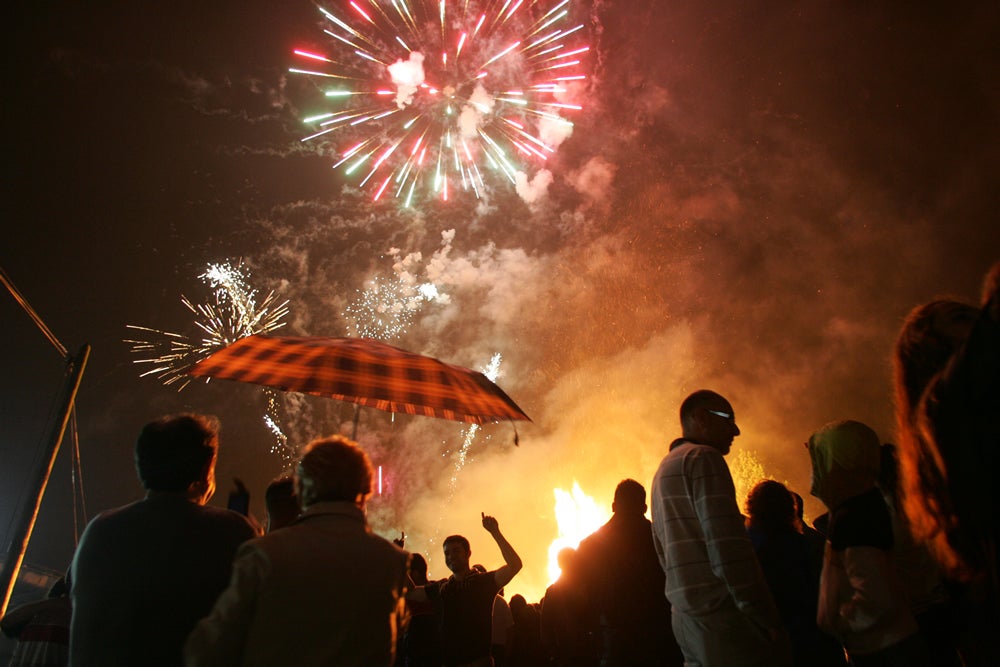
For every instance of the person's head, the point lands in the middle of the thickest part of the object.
(630, 498)
(177, 454)
(930, 336)
(418, 569)
(518, 607)
(457, 552)
(846, 460)
(281, 503)
(708, 419)
(333, 469)
(771, 506)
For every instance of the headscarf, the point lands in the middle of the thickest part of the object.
(846, 458)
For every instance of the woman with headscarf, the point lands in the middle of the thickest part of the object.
(861, 600)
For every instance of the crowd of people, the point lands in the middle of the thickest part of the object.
(902, 570)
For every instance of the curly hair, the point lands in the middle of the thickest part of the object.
(770, 506)
(333, 469)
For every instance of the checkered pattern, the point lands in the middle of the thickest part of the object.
(363, 371)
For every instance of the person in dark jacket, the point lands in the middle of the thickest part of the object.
(623, 581)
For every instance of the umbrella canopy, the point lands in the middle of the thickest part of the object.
(365, 372)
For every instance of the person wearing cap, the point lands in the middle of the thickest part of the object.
(143, 574)
(324, 590)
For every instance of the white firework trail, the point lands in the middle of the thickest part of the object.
(491, 371)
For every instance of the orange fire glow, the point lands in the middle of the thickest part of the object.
(578, 515)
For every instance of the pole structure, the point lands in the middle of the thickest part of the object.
(357, 417)
(19, 545)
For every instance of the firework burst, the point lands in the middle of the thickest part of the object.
(385, 309)
(436, 94)
(232, 312)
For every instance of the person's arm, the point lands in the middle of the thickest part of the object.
(873, 599)
(512, 562)
(19, 617)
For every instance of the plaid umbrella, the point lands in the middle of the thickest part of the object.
(365, 372)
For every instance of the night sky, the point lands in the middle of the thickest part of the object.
(753, 198)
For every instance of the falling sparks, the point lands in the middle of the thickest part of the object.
(232, 312)
(386, 308)
(443, 93)
(281, 448)
(492, 371)
(746, 470)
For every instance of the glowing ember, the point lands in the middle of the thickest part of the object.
(746, 470)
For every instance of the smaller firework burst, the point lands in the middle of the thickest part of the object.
(385, 309)
(232, 312)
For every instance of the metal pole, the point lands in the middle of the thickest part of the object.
(19, 545)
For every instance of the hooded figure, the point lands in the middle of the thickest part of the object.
(861, 601)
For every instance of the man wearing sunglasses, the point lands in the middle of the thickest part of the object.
(723, 613)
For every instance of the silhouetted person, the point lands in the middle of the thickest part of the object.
(791, 573)
(281, 503)
(466, 598)
(322, 591)
(41, 629)
(947, 361)
(524, 638)
(814, 538)
(421, 645)
(144, 573)
(623, 582)
(503, 620)
(568, 624)
(723, 613)
(861, 601)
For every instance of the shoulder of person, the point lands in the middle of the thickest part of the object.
(230, 520)
(863, 520)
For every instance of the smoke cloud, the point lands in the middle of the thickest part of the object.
(744, 205)
(407, 75)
